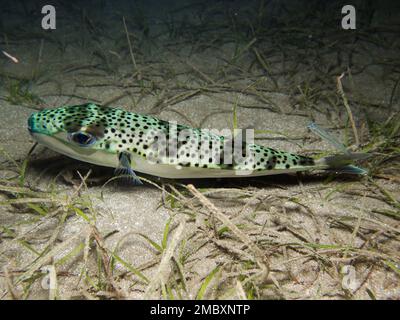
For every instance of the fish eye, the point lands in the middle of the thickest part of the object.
(84, 139)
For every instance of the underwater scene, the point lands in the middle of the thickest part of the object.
(199, 150)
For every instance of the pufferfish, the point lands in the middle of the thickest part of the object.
(113, 137)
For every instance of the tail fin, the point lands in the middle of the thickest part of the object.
(325, 135)
(353, 170)
(340, 162)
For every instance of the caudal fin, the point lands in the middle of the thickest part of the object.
(343, 162)
(352, 170)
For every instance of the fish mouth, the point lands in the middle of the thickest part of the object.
(31, 123)
(34, 128)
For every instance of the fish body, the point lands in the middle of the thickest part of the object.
(117, 138)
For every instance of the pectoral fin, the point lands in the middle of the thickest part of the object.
(126, 169)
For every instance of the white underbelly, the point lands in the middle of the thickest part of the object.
(179, 172)
(140, 164)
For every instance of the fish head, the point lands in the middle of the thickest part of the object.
(82, 132)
